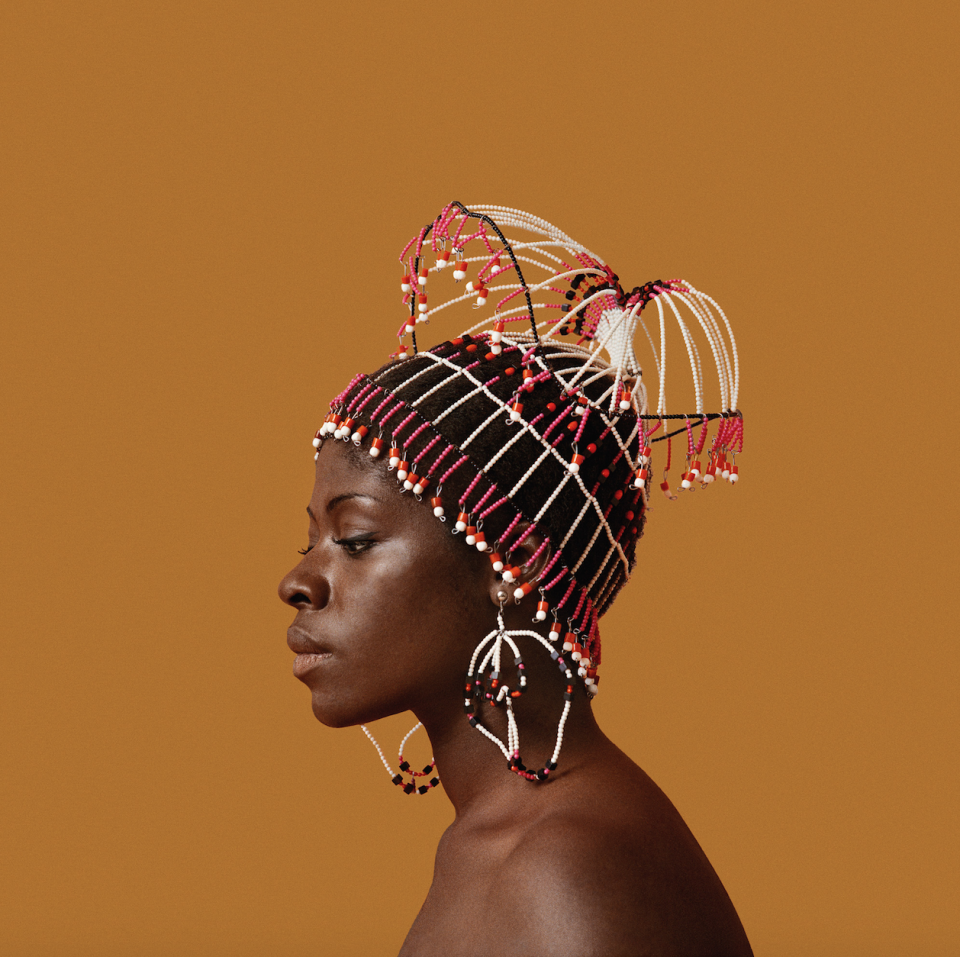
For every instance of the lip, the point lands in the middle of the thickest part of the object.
(303, 643)
(304, 664)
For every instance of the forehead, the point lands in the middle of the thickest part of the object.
(344, 467)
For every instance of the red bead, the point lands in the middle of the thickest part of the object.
(591, 448)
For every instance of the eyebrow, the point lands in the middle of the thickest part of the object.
(337, 499)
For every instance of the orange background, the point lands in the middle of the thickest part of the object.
(202, 206)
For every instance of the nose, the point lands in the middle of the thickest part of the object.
(304, 589)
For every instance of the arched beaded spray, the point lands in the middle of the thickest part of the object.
(563, 394)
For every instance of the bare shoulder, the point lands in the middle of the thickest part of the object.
(616, 876)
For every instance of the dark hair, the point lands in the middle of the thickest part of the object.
(592, 524)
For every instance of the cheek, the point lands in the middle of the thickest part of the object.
(422, 614)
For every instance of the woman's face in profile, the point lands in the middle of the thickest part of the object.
(389, 604)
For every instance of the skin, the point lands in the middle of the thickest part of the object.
(594, 861)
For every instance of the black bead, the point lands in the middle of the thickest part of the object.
(428, 769)
(473, 722)
(408, 788)
(570, 294)
(405, 766)
(397, 779)
(542, 774)
(567, 696)
(552, 765)
(422, 789)
(434, 782)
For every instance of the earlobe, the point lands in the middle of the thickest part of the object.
(520, 567)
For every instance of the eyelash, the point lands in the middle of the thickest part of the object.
(366, 544)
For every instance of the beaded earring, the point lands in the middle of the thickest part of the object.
(486, 684)
(408, 787)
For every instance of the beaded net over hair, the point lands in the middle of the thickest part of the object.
(539, 418)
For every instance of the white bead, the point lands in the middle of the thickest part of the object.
(459, 274)
(394, 461)
(695, 473)
(568, 646)
(408, 328)
(498, 566)
(316, 443)
(576, 656)
(593, 690)
(316, 455)
(460, 526)
(438, 511)
(582, 672)
(733, 478)
(481, 300)
(518, 594)
(495, 349)
(357, 438)
(707, 478)
(508, 576)
(496, 336)
(541, 616)
(573, 467)
(418, 489)
(514, 417)
(494, 270)
(470, 286)
(624, 405)
(686, 483)
(644, 459)
(471, 539)
(422, 280)
(422, 306)
(401, 474)
(482, 546)
(408, 485)
(441, 264)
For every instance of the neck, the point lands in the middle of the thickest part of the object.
(474, 771)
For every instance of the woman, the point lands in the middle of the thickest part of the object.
(535, 454)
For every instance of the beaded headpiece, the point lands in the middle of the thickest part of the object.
(540, 418)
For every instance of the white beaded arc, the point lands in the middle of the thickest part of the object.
(565, 448)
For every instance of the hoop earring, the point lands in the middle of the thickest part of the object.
(409, 787)
(496, 691)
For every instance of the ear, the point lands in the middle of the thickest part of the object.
(521, 556)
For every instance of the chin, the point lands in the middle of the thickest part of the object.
(344, 714)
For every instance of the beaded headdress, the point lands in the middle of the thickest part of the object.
(539, 418)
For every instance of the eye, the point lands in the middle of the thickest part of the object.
(355, 546)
